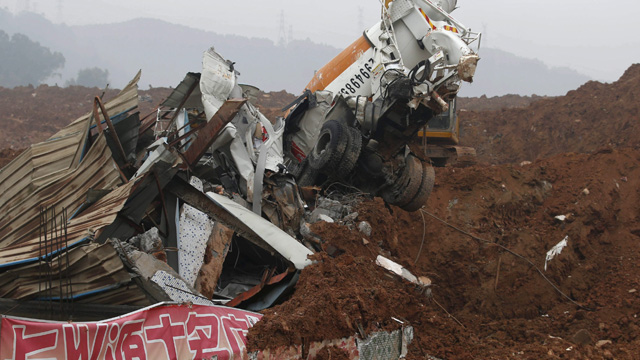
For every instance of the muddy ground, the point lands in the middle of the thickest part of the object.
(483, 237)
(500, 305)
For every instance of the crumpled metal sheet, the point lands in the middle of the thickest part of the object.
(275, 237)
(216, 81)
(377, 346)
(384, 345)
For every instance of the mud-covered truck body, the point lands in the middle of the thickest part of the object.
(360, 110)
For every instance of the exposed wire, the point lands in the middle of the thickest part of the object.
(514, 254)
(424, 233)
(445, 310)
(189, 292)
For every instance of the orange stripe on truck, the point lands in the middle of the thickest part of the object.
(338, 65)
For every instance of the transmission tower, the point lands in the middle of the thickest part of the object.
(282, 35)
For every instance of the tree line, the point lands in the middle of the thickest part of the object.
(26, 62)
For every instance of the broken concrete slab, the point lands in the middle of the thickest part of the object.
(148, 242)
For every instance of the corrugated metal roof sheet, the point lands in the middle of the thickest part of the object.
(52, 159)
(80, 228)
(85, 268)
(50, 174)
(194, 101)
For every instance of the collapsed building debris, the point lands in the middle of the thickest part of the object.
(203, 205)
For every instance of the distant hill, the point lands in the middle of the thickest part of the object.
(165, 52)
(501, 73)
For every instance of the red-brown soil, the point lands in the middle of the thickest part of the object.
(593, 116)
(506, 308)
(484, 103)
(32, 115)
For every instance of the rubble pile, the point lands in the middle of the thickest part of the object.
(480, 301)
(96, 208)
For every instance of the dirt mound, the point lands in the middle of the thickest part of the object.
(506, 307)
(484, 103)
(32, 115)
(586, 119)
(271, 103)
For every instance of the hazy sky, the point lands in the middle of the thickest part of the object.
(594, 37)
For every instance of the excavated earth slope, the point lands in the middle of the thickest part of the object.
(503, 306)
(593, 116)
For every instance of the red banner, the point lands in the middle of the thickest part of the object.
(158, 332)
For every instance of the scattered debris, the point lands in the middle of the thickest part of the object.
(561, 218)
(603, 343)
(365, 228)
(402, 272)
(555, 251)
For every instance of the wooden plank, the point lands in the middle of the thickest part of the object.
(207, 134)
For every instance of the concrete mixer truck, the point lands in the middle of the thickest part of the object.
(359, 112)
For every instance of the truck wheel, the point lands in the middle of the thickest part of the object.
(428, 179)
(307, 175)
(351, 153)
(330, 147)
(407, 185)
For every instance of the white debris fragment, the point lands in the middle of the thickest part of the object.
(556, 250)
(561, 217)
(399, 270)
(632, 291)
(585, 191)
(602, 343)
(365, 228)
(323, 217)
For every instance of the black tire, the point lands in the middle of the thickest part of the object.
(407, 185)
(428, 179)
(330, 146)
(351, 154)
(307, 175)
